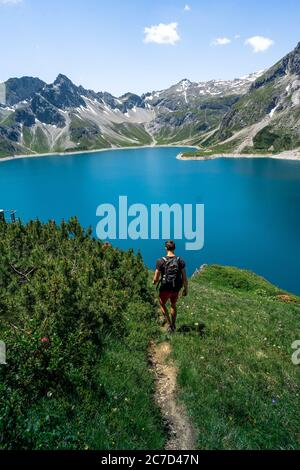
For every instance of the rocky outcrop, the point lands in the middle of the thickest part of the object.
(21, 89)
(45, 112)
(63, 94)
(11, 134)
(25, 116)
(274, 99)
(199, 271)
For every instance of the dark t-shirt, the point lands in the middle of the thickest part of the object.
(160, 266)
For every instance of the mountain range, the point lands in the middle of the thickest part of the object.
(255, 113)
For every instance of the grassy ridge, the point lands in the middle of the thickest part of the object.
(237, 378)
(77, 318)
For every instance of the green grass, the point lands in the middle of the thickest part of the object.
(118, 413)
(210, 151)
(237, 379)
(27, 136)
(87, 134)
(254, 106)
(6, 148)
(278, 139)
(89, 384)
(78, 123)
(180, 134)
(39, 142)
(248, 110)
(128, 416)
(8, 120)
(90, 138)
(132, 131)
(202, 119)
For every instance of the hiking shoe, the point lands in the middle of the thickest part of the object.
(171, 329)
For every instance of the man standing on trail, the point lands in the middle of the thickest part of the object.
(170, 274)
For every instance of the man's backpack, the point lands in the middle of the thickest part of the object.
(172, 277)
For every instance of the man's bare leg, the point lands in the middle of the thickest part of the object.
(166, 313)
(173, 316)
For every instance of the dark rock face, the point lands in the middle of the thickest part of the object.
(46, 112)
(20, 89)
(88, 133)
(10, 133)
(124, 103)
(277, 71)
(130, 101)
(25, 116)
(289, 64)
(294, 61)
(63, 94)
(87, 93)
(108, 99)
(172, 120)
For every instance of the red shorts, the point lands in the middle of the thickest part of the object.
(165, 296)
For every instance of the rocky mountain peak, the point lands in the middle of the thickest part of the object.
(63, 80)
(185, 82)
(63, 94)
(21, 89)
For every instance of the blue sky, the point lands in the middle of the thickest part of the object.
(145, 45)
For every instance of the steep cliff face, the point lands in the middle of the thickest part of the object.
(271, 107)
(20, 89)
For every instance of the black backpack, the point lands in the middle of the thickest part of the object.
(172, 277)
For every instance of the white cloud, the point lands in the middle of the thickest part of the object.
(10, 2)
(220, 42)
(187, 8)
(259, 43)
(237, 36)
(162, 34)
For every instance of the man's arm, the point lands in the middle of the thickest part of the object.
(156, 277)
(185, 283)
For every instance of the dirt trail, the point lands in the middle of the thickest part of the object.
(181, 432)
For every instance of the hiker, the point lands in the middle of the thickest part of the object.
(171, 276)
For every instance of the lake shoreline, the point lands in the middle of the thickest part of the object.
(80, 152)
(293, 155)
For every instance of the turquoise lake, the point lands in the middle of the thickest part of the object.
(252, 206)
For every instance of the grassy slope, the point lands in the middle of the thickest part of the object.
(206, 116)
(90, 386)
(237, 379)
(276, 138)
(118, 414)
(135, 132)
(128, 418)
